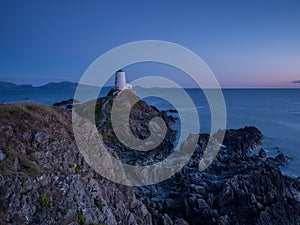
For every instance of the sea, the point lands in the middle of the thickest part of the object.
(275, 112)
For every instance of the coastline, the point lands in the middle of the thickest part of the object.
(41, 159)
(243, 110)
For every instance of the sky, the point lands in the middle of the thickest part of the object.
(245, 43)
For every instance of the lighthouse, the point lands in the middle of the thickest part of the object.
(120, 81)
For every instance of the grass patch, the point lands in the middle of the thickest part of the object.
(10, 114)
(27, 167)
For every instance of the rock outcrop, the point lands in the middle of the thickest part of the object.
(238, 188)
(45, 180)
(140, 116)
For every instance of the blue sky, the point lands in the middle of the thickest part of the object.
(245, 43)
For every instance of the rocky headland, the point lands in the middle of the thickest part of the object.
(45, 180)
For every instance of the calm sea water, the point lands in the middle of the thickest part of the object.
(276, 112)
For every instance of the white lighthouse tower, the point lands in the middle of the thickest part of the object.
(120, 81)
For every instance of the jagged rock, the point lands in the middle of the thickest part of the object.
(279, 160)
(180, 221)
(172, 111)
(262, 153)
(45, 180)
(237, 188)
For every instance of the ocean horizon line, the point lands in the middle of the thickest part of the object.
(11, 86)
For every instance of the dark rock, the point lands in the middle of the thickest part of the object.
(237, 188)
(172, 111)
(67, 103)
(279, 160)
(262, 153)
(180, 221)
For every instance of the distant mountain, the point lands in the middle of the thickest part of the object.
(25, 86)
(12, 86)
(60, 85)
(52, 85)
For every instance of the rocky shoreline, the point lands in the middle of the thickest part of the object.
(238, 188)
(45, 180)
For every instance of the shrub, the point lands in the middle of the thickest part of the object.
(99, 204)
(80, 219)
(64, 211)
(45, 201)
(77, 170)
